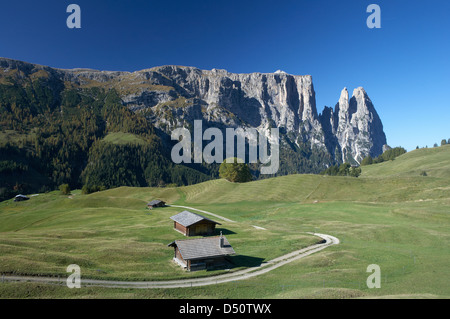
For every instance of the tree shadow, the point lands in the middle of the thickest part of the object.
(236, 261)
(224, 231)
(244, 261)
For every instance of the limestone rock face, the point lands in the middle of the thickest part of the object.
(354, 127)
(259, 100)
(349, 133)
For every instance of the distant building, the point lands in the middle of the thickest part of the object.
(201, 253)
(191, 224)
(20, 198)
(156, 203)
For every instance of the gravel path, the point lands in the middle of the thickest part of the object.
(228, 277)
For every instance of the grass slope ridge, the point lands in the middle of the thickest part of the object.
(434, 161)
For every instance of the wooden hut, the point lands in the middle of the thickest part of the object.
(20, 198)
(156, 203)
(201, 253)
(191, 224)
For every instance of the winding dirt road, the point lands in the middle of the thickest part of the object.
(228, 277)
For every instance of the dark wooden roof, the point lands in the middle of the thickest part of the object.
(155, 202)
(20, 197)
(200, 248)
(187, 218)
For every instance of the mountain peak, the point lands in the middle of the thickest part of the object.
(344, 95)
(359, 91)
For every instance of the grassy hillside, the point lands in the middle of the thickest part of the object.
(434, 161)
(390, 216)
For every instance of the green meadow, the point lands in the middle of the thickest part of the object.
(392, 216)
(123, 138)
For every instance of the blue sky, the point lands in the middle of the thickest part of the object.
(404, 66)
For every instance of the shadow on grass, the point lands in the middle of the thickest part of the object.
(224, 231)
(239, 261)
(244, 261)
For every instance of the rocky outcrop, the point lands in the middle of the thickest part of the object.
(259, 100)
(354, 129)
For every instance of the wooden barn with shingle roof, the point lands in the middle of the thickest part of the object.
(192, 224)
(201, 253)
(156, 203)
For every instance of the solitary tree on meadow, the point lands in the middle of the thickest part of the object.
(235, 170)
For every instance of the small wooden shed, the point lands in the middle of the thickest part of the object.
(192, 224)
(20, 198)
(201, 253)
(156, 203)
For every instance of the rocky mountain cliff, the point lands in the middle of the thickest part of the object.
(173, 96)
(353, 129)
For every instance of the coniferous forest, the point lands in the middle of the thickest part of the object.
(54, 135)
